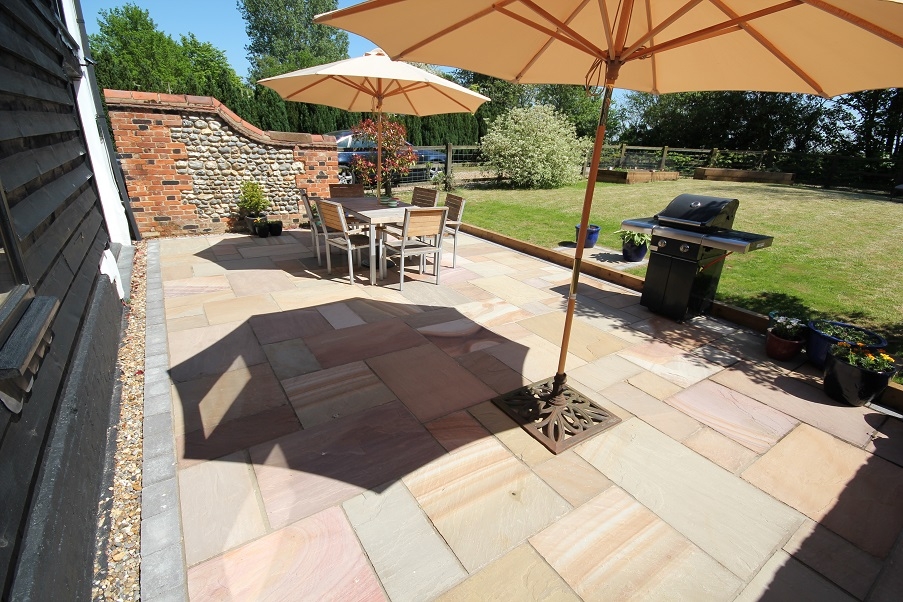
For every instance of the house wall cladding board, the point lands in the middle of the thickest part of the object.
(51, 455)
(184, 159)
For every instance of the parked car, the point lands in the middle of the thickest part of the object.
(429, 162)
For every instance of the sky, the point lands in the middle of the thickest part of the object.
(214, 21)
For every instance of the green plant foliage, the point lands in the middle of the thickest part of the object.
(847, 334)
(635, 238)
(252, 200)
(862, 357)
(535, 147)
(397, 157)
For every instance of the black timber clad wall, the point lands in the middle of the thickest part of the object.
(51, 455)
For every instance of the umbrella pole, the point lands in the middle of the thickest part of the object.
(560, 376)
(379, 148)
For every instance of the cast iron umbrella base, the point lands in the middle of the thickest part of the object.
(556, 415)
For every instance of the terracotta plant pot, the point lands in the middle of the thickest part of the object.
(852, 384)
(781, 349)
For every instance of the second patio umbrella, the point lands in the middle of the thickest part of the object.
(375, 83)
(824, 47)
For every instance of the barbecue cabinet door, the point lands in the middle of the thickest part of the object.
(668, 286)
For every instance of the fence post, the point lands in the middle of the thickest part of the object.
(713, 156)
(621, 160)
(661, 165)
(448, 158)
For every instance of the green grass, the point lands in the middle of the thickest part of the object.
(836, 254)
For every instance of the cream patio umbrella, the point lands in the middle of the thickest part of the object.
(375, 83)
(823, 47)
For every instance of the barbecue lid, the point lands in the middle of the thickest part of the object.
(700, 212)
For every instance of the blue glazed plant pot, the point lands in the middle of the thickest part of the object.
(592, 235)
(820, 342)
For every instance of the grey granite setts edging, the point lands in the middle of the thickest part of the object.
(163, 573)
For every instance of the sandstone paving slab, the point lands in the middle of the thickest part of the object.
(483, 501)
(210, 350)
(654, 385)
(339, 315)
(219, 507)
(429, 382)
(232, 266)
(620, 300)
(486, 268)
(411, 559)
(327, 395)
(276, 252)
(782, 391)
(361, 342)
(575, 479)
(182, 245)
(614, 548)
(307, 296)
(427, 293)
(519, 575)
(784, 578)
(461, 336)
(318, 558)
(374, 310)
(729, 519)
(586, 341)
(457, 430)
(723, 451)
(256, 282)
(308, 471)
(240, 308)
(683, 369)
(471, 291)
(604, 372)
(191, 305)
(427, 316)
(658, 414)
(511, 290)
(492, 371)
(493, 312)
(683, 336)
(887, 441)
(285, 325)
(290, 358)
(196, 321)
(534, 357)
(743, 419)
(848, 490)
(890, 582)
(176, 272)
(517, 440)
(194, 286)
(834, 558)
(204, 403)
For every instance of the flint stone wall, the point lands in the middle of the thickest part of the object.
(184, 159)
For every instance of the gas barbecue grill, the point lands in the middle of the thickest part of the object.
(690, 240)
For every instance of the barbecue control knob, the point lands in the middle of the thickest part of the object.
(684, 248)
(662, 243)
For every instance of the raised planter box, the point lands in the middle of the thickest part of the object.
(634, 176)
(742, 175)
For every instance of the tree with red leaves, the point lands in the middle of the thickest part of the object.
(397, 155)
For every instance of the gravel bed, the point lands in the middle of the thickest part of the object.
(117, 562)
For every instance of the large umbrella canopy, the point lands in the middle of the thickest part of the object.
(375, 83)
(824, 47)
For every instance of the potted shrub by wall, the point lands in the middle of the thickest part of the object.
(275, 227)
(785, 338)
(261, 227)
(633, 244)
(824, 333)
(857, 375)
(252, 203)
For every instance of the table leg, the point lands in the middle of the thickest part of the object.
(373, 258)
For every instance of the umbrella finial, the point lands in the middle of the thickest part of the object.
(376, 52)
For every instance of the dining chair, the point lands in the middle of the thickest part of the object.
(455, 206)
(425, 197)
(316, 226)
(337, 234)
(344, 191)
(421, 234)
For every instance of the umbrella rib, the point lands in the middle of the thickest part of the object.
(661, 26)
(857, 21)
(308, 87)
(761, 39)
(623, 25)
(651, 39)
(439, 34)
(606, 23)
(548, 43)
(718, 29)
(572, 37)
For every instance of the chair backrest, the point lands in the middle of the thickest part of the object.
(424, 221)
(425, 197)
(339, 191)
(455, 206)
(332, 216)
(308, 210)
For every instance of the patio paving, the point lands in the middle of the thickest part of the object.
(308, 439)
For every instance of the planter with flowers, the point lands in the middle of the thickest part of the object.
(857, 375)
(785, 338)
(823, 334)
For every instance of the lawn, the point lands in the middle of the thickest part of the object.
(835, 254)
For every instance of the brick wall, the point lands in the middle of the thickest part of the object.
(184, 158)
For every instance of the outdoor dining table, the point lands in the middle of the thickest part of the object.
(368, 209)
